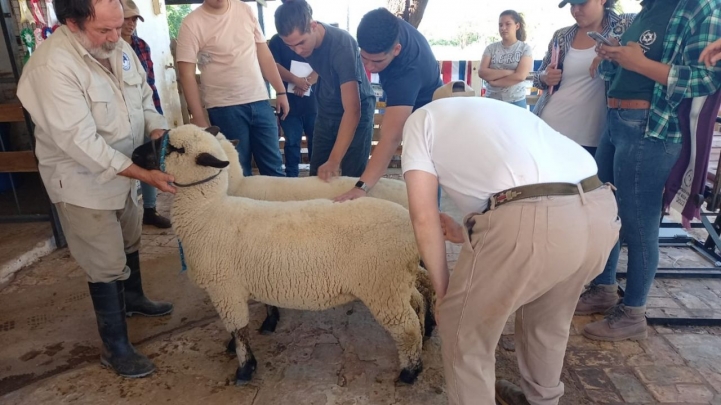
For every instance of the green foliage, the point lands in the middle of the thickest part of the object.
(175, 17)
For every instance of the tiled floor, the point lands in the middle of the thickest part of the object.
(48, 348)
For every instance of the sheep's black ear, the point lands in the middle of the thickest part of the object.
(212, 130)
(206, 159)
(235, 142)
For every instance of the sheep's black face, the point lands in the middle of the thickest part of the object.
(148, 154)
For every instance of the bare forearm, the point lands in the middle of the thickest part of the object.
(655, 71)
(136, 172)
(190, 90)
(378, 164)
(346, 131)
(432, 247)
(507, 81)
(285, 74)
(269, 68)
(489, 74)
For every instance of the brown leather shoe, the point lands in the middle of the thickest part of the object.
(509, 394)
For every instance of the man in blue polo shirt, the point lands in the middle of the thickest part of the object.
(409, 75)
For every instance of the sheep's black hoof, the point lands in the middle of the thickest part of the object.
(231, 346)
(271, 321)
(430, 323)
(244, 374)
(409, 375)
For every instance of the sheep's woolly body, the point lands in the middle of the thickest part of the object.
(304, 188)
(308, 255)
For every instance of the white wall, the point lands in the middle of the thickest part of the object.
(155, 32)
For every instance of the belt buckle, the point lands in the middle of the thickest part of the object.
(506, 196)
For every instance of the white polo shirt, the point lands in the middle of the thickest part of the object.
(479, 146)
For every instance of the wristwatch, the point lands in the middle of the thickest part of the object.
(363, 186)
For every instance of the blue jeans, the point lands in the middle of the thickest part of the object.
(255, 127)
(639, 168)
(591, 149)
(150, 195)
(521, 103)
(356, 158)
(294, 126)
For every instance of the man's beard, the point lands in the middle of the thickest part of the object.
(103, 51)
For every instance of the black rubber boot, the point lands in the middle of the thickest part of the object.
(118, 353)
(136, 303)
(151, 217)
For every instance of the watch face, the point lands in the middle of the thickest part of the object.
(360, 184)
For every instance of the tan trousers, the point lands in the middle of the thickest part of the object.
(99, 239)
(532, 257)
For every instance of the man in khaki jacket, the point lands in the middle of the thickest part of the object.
(91, 105)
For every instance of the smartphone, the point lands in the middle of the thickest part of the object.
(600, 38)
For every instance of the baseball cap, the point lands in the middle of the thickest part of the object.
(131, 9)
(457, 88)
(564, 2)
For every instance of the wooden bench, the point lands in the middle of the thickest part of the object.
(15, 162)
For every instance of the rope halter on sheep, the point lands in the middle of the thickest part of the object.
(163, 150)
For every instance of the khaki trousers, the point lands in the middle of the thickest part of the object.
(532, 257)
(99, 239)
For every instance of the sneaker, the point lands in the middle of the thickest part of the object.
(597, 299)
(151, 217)
(509, 394)
(621, 323)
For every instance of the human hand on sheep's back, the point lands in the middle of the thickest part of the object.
(328, 170)
(351, 194)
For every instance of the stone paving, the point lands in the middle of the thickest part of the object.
(48, 348)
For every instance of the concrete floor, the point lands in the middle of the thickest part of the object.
(49, 348)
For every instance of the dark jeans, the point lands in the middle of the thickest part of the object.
(591, 149)
(294, 126)
(356, 158)
(638, 167)
(255, 127)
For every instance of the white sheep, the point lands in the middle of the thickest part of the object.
(306, 255)
(270, 188)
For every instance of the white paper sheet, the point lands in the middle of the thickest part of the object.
(300, 69)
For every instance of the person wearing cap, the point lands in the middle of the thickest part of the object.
(86, 92)
(655, 83)
(538, 226)
(577, 106)
(141, 48)
(409, 75)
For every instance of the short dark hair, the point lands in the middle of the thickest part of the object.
(293, 15)
(378, 31)
(79, 11)
(521, 33)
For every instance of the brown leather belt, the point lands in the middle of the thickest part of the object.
(628, 104)
(542, 190)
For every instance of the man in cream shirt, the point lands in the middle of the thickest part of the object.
(91, 105)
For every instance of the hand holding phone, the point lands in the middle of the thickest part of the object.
(600, 39)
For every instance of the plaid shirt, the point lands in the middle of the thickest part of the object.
(694, 25)
(142, 49)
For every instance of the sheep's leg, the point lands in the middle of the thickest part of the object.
(247, 361)
(419, 307)
(424, 286)
(271, 320)
(232, 306)
(401, 321)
